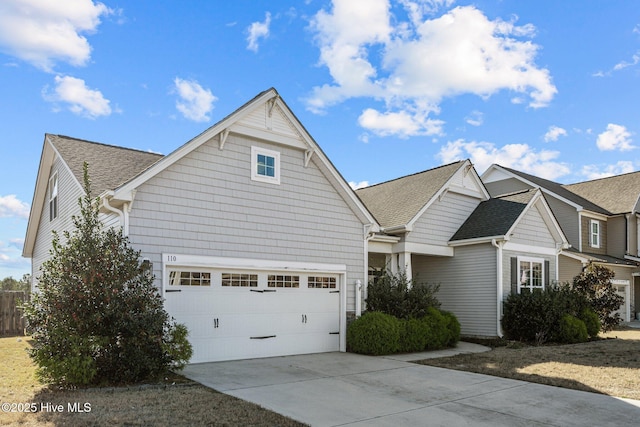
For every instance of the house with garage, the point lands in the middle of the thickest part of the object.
(442, 227)
(257, 243)
(600, 219)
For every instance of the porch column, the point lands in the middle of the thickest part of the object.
(404, 262)
(391, 262)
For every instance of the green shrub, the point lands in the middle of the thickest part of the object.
(97, 317)
(536, 316)
(453, 327)
(398, 296)
(412, 337)
(572, 330)
(374, 333)
(435, 328)
(591, 321)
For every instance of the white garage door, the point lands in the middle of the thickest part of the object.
(235, 313)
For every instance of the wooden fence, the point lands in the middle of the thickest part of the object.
(11, 320)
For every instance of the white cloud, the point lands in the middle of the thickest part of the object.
(358, 185)
(11, 206)
(195, 102)
(421, 62)
(522, 157)
(616, 137)
(635, 59)
(81, 100)
(595, 172)
(43, 32)
(554, 133)
(476, 118)
(258, 30)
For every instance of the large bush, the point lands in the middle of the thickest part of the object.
(398, 296)
(97, 317)
(536, 316)
(595, 284)
(374, 333)
(572, 330)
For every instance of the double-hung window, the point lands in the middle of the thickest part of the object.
(53, 197)
(594, 233)
(530, 274)
(265, 165)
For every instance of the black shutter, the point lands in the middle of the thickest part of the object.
(514, 275)
(546, 274)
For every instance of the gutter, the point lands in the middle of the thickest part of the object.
(368, 235)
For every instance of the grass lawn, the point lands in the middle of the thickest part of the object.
(178, 402)
(609, 366)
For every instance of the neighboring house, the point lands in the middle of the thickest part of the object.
(598, 217)
(257, 242)
(441, 227)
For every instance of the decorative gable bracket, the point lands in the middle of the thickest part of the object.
(307, 157)
(223, 137)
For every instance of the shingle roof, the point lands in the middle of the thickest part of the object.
(109, 166)
(561, 191)
(494, 217)
(617, 194)
(397, 202)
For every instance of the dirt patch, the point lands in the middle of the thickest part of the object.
(610, 365)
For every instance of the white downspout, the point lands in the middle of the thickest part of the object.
(500, 285)
(361, 291)
(121, 213)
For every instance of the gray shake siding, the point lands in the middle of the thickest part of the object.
(468, 286)
(567, 217)
(69, 191)
(617, 236)
(442, 219)
(206, 204)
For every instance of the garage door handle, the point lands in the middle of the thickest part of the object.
(334, 333)
(173, 290)
(262, 290)
(262, 338)
(334, 292)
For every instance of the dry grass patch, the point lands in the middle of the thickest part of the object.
(178, 402)
(609, 366)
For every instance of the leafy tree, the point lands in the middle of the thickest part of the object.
(11, 284)
(595, 283)
(97, 317)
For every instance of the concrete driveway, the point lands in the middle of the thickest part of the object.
(337, 389)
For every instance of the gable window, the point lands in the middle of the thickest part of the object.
(53, 197)
(265, 165)
(530, 274)
(594, 233)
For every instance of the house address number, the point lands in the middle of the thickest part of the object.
(172, 258)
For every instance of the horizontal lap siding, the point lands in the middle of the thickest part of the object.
(567, 217)
(69, 191)
(442, 219)
(468, 286)
(532, 230)
(568, 268)
(206, 204)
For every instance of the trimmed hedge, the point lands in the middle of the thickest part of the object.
(377, 333)
(572, 330)
(374, 333)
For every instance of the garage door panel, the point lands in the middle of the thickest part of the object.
(238, 322)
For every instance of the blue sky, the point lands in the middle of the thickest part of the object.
(387, 88)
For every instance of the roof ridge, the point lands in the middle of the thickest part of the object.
(411, 174)
(600, 179)
(106, 145)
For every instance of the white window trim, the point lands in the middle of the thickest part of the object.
(255, 151)
(54, 189)
(530, 261)
(597, 235)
